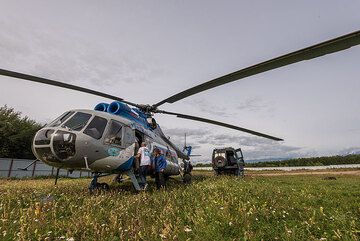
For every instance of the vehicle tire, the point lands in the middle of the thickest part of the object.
(219, 162)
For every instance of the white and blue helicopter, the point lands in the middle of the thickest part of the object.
(104, 140)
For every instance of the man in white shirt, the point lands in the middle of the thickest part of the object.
(144, 156)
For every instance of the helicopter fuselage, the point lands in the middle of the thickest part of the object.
(99, 142)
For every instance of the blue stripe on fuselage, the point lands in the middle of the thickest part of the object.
(126, 165)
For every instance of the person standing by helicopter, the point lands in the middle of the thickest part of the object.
(144, 156)
(159, 164)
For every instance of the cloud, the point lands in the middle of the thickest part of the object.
(70, 57)
(253, 104)
(349, 151)
(272, 151)
(204, 106)
(250, 104)
(180, 132)
(254, 147)
(177, 136)
(221, 139)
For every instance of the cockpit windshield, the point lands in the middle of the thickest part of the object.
(77, 121)
(61, 119)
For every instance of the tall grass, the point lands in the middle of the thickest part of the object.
(212, 208)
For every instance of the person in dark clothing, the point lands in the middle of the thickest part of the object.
(159, 165)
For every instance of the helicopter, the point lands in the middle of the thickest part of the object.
(104, 140)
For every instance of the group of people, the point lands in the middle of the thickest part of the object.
(154, 163)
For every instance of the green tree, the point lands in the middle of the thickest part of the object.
(16, 134)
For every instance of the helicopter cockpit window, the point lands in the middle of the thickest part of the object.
(114, 136)
(78, 121)
(96, 127)
(61, 119)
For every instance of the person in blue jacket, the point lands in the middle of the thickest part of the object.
(159, 165)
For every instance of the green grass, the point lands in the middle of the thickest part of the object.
(212, 208)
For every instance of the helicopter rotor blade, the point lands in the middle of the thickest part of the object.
(61, 84)
(196, 118)
(318, 50)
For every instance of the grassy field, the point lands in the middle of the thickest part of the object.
(212, 208)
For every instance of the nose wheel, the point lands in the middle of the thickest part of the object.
(95, 185)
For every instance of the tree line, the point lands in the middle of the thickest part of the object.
(16, 134)
(310, 161)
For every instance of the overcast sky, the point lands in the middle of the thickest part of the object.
(145, 51)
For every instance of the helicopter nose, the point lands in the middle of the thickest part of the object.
(64, 144)
(54, 146)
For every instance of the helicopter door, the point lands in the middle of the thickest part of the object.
(139, 138)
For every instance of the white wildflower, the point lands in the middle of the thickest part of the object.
(187, 229)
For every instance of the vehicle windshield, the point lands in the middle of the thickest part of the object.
(77, 121)
(61, 119)
(220, 154)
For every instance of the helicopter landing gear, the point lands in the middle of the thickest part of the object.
(187, 178)
(95, 185)
(134, 180)
(118, 178)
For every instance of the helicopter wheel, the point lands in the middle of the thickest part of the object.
(104, 186)
(187, 178)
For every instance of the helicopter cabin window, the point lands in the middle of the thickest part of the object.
(114, 136)
(78, 121)
(61, 119)
(96, 127)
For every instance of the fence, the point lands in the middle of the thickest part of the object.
(10, 168)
